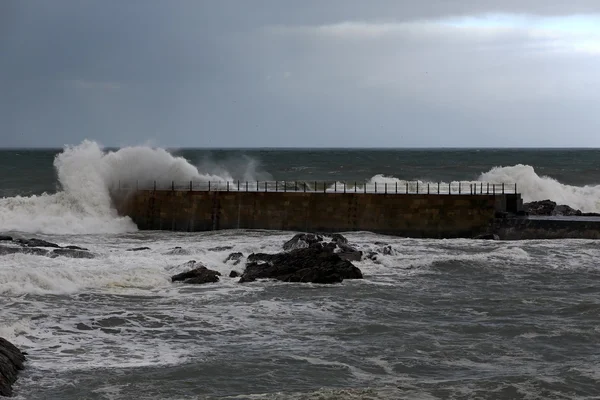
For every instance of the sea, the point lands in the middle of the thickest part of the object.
(432, 319)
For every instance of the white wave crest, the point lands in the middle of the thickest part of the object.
(86, 175)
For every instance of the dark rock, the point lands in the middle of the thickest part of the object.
(72, 253)
(300, 265)
(371, 255)
(302, 241)
(83, 327)
(139, 249)
(234, 274)
(75, 248)
(220, 248)
(235, 257)
(349, 253)
(338, 238)
(197, 276)
(550, 208)
(330, 247)
(11, 362)
(387, 250)
(6, 250)
(177, 251)
(5, 238)
(316, 245)
(489, 236)
(36, 243)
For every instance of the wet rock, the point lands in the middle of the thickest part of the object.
(7, 250)
(300, 265)
(11, 362)
(75, 248)
(198, 275)
(564, 210)
(65, 252)
(5, 238)
(349, 253)
(550, 208)
(302, 241)
(220, 248)
(234, 274)
(139, 249)
(339, 239)
(371, 255)
(177, 251)
(36, 243)
(235, 257)
(316, 245)
(489, 236)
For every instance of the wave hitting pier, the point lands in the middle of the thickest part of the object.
(410, 209)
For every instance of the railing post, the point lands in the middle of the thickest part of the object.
(155, 186)
(515, 187)
(355, 188)
(428, 188)
(265, 186)
(385, 186)
(209, 186)
(365, 187)
(417, 187)
(502, 187)
(488, 188)
(375, 187)
(324, 186)
(438, 187)
(238, 185)
(315, 188)
(450, 187)
(459, 187)
(481, 189)
(190, 186)
(284, 186)
(406, 187)
(304, 187)
(494, 188)
(257, 183)
(335, 187)
(396, 187)
(246, 186)
(173, 186)
(228, 186)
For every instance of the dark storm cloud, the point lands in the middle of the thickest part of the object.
(288, 73)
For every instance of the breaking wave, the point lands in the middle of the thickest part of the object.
(86, 174)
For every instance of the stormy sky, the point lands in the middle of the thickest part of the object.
(312, 73)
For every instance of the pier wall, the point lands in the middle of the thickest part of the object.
(410, 215)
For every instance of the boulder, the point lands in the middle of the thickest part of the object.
(198, 275)
(11, 362)
(235, 257)
(300, 265)
(65, 252)
(564, 210)
(302, 241)
(139, 249)
(234, 274)
(4, 238)
(36, 243)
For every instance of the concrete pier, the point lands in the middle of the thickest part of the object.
(407, 214)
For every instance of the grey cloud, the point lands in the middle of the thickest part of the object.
(238, 73)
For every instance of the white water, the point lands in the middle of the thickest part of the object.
(87, 174)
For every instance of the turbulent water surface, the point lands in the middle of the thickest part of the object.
(431, 320)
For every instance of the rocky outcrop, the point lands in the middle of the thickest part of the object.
(38, 247)
(338, 244)
(549, 208)
(11, 362)
(302, 241)
(198, 275)
(300, 265)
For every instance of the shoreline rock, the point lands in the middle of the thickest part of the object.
(305, 265)
(11, 362)
(198, 275)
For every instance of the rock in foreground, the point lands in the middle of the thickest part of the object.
(300, 265)
(11, 362)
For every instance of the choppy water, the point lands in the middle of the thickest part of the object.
(450, 319)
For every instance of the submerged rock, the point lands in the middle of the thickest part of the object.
(36, 243)
(75, 248)
(139, 249)
(66, 252)
(300, 265)
(235, 257)
(198, 275)
(6, 250)
(220, 248)
(11, 362)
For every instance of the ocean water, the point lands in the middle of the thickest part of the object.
(435, 319)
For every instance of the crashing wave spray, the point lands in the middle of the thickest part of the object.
(86, 175)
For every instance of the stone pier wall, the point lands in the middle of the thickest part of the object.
(410, 215)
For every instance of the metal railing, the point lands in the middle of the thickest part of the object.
(401, 187)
